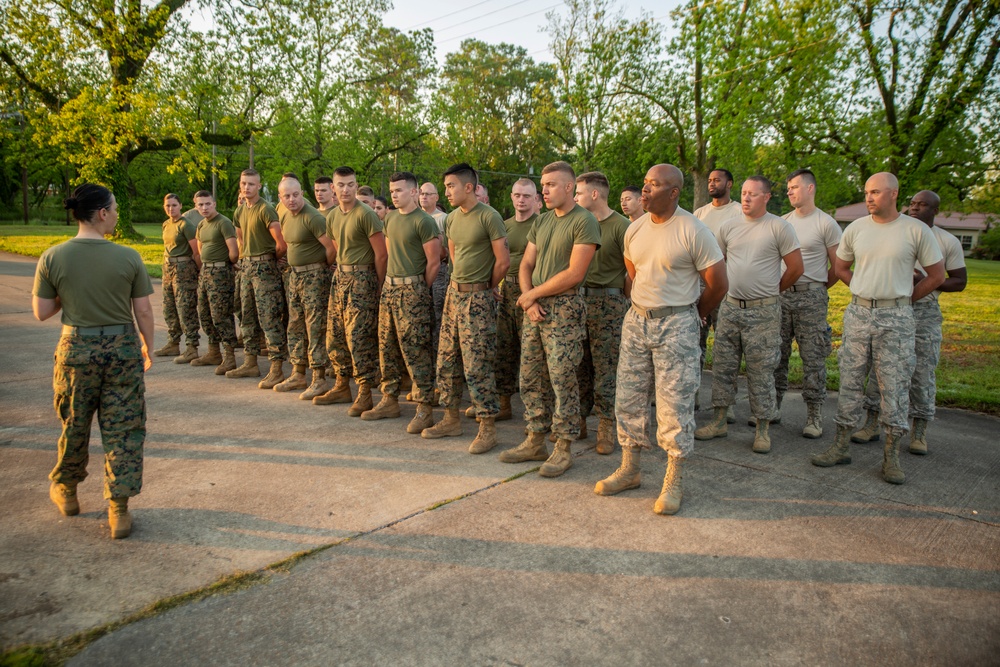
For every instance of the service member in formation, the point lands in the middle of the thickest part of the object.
(927, 327)
(756, 246)
(429, 204)
(310, 252)
(606, 291)
(805, 304)
(477, 246)
(883, 246)
(631, 202)
(669, 254)
(352, 329)
(406, 309)
(323, 192)
(561, 245)
(181, 263)
(366, 196)
(98, 285)
(261, 289)
(217, 246)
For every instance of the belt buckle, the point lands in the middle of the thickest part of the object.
(743, 303)
(874, 303)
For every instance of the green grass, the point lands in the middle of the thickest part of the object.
(32, 240)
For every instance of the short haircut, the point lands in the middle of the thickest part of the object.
(464, 172)
(526, 181)
(729, 174)
(385, 202)
(171, 195)
(634, 189)
(596, 180)
(366, 191)
(410, 179)
(203, 193)
(806, 175)
(763, 181)
(323, 180)
(289, 174)
(250, 172)
(562, 166)
(343, 172)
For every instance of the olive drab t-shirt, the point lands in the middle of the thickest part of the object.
(177, 237)
(406, 234)
(473, 234)
(94, 279)
(254, 223)
(351, 231)
(213, 234)
(817, 232)
(753, 248)
(555, 236)
(301, 232)
(517, 239)
(192, 215)
(608, 267)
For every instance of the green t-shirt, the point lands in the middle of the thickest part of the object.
(94, 279)
(517, 238)
(254, 222)
(405, 236)
(351, 231)
(473, 234)
(213, 234)
(193, 216)
(608, 267)
(302, 231)
(177, 237)
(555, 237)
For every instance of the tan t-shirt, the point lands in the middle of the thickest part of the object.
(668, 258)
(94, 279)
(753, 248)
(954, 257)
(254, 223)
(608, 267)
(406, 234)
(517, 239)
(713, 216)
(473, 234)
(213, 234)
(884, 255)
(817, 232)
(351, 231)
(177, 237)
(555, 236)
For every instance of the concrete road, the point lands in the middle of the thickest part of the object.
(771, 560)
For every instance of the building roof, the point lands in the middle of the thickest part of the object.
(944, 219)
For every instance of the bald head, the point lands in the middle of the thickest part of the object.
(881, 192)
(661, 189)
(924, 206)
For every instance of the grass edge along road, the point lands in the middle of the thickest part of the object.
(968, 375)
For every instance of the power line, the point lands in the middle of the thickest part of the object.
(497, 25)
(482, 16)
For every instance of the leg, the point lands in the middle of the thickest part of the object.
(927, 345)
(605, 338)
(535, 384)
(122, 416)
(315, 298)
(635, 383)
(414, 337)
(562, 337)
(170, 314)
(726, 354)
(269, 292)
(205, 308)
(788, 307)
(813, 334)
(478, 339)
(677, 378)
(361, 326)
(76, 382)
(761, 347)
(390, 356)
(296, 335)
(894, 358)
(855, 348)
(186, 293)
(450, 371)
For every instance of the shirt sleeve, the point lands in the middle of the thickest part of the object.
(141, 284)
(928, 252)
(831, 232)
(43, 287)
(787, 239)
(705, 250)
(228, 229)
(630, 233)
(587, 231)
(846, 249)
(494, 226)
(317, 225)
(427, 230)
(190, 230)
(197, 230)
(270, 214)
(954, 256)
(371, 223)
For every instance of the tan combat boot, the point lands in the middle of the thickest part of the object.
(210, 358)
(295, 381)
(423, 419)
(871, 430)
(341, 393)
(776, 419)
(228, 360)
(891, 472)
(717, 428)
(918, 437)
(319, 386)
(168, 350)
(64, 496)
(625, 478)
(583, 431)
(362, 402)
(247, 370)
(470, 412)
(762, 438)
(606, 436)
(486, 439)
(274, 376)
(506, 412)
(190, 354)
(119, 519)
(559, 461)
(532, 449)
(672, 492)
(839, 452)
(814, 421)
(387, 408)
(450, 425)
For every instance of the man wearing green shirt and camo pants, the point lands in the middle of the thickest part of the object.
(218, 248)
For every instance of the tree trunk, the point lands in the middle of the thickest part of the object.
(118, 179)
(700, 188)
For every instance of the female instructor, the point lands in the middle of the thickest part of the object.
(99, 362)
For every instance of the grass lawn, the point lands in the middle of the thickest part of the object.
(968, 375)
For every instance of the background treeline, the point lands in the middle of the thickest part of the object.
(130, 94)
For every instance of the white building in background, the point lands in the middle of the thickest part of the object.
(967, 227)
